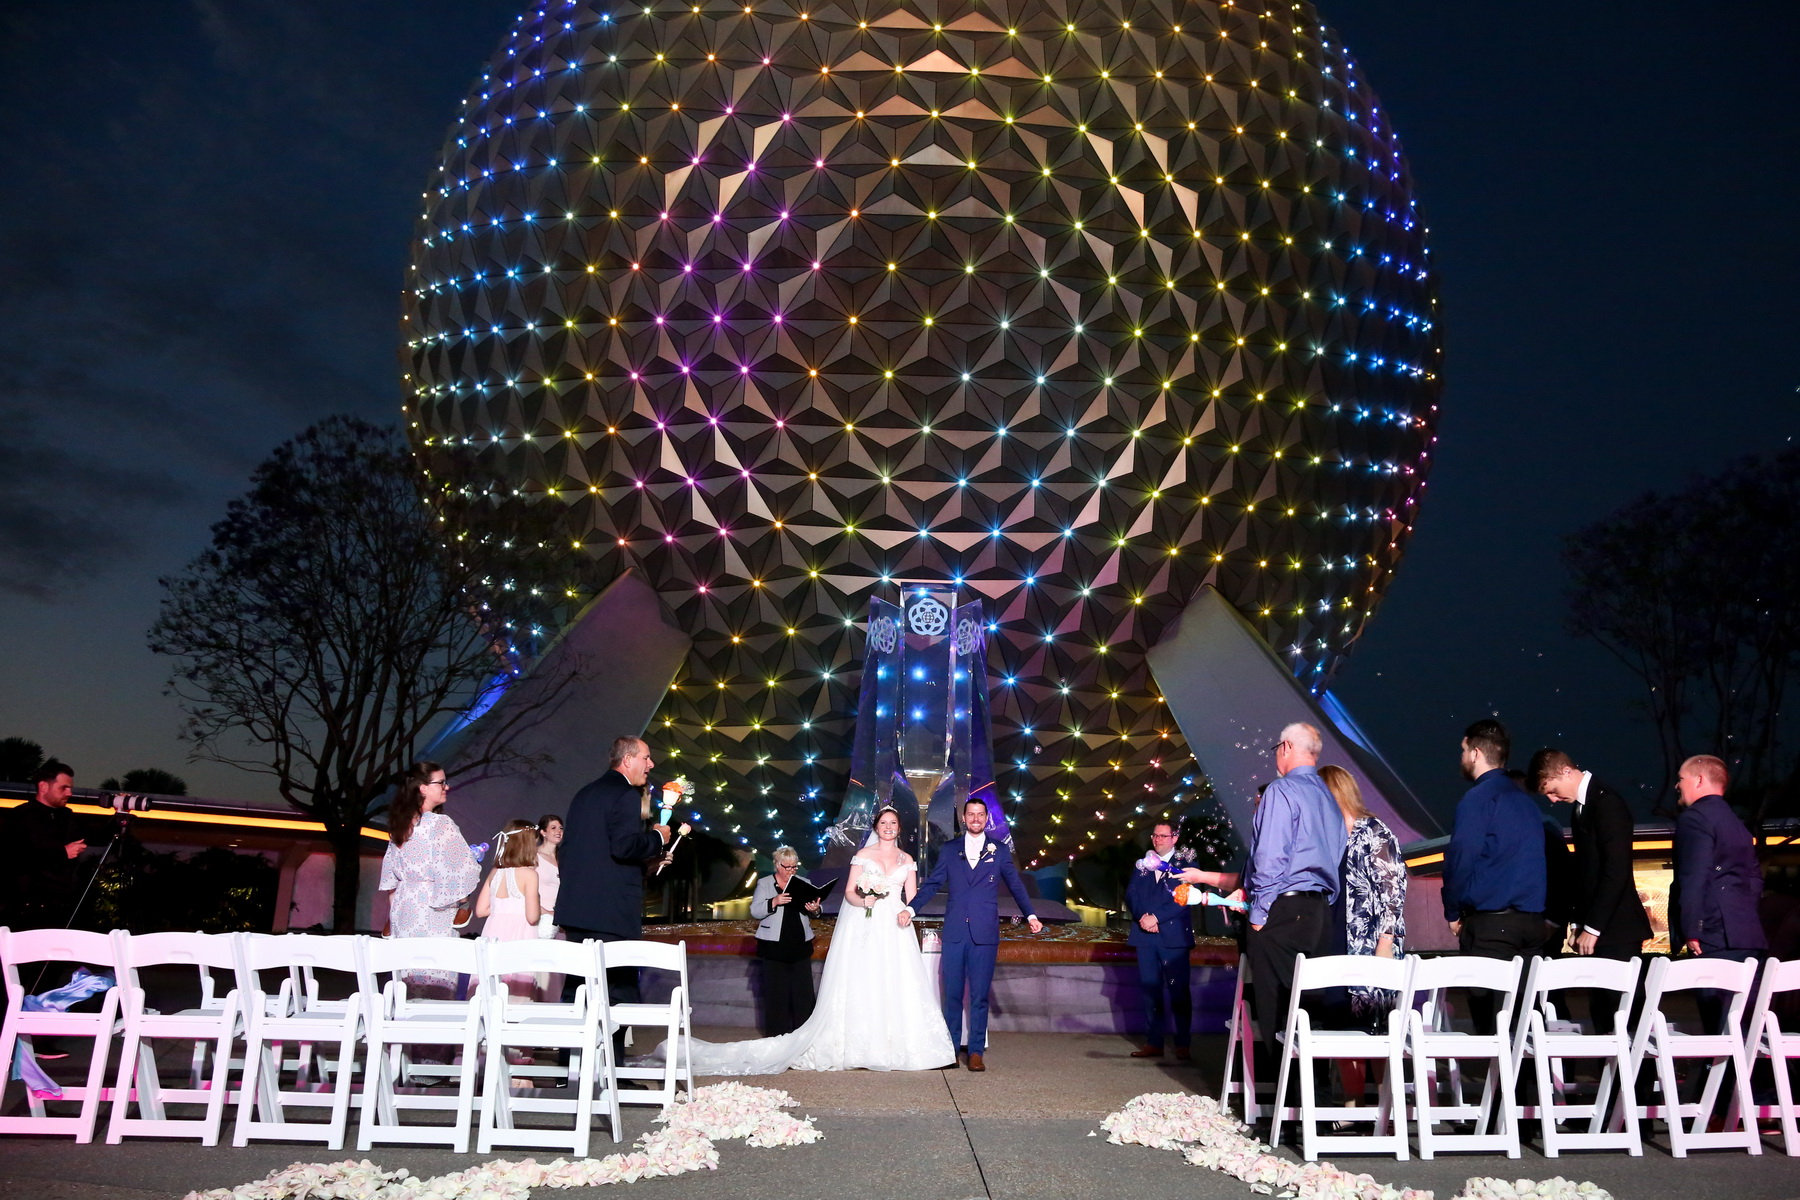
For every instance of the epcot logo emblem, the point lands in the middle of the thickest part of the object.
(885, 634)
(928, 617)
(965, 636)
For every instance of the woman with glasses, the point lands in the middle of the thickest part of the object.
(428, 868)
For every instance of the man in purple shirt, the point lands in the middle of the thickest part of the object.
(1296, 847)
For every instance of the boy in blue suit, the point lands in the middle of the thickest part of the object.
(971, 869)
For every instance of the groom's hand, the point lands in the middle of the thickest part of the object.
(1035, 925)
(904, 917)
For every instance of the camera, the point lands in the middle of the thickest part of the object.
(127, 803)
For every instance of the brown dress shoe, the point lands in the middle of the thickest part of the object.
(1182, 1054)
(975, 1063)
(1148, 1052)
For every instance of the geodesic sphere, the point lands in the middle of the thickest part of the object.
(1080, 306)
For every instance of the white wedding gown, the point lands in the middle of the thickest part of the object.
(877, 1008)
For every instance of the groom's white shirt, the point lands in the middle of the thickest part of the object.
(972, 843)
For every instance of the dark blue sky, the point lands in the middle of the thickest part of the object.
(204, 224)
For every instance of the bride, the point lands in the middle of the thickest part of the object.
(877, 1008)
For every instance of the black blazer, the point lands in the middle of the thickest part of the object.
(1718, 880)
(605, 846)
(1606, 897)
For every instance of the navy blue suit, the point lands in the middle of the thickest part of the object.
(1718, 881)
(1162, 956)
(971, 929)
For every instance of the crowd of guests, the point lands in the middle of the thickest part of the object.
(431, 872)
(1324, 876)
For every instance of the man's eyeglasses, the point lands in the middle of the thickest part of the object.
(1276, 748)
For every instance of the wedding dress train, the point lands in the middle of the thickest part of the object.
(877, 1008)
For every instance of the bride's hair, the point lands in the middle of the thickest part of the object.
(874, 838)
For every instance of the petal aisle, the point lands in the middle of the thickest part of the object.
(1208, 1136)
(684, 1143)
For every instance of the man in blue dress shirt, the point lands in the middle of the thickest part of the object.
(1296, 848)
(1494, 870)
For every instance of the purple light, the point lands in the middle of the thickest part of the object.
(778, 318)
(744, 370)
(718, 318)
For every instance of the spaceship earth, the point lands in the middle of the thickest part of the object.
(1074, 305)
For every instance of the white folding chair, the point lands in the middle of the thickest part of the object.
(1768, 1040)
(1304, 1045)
(1658, 1038)
(580, 1027)
(274, 1020)
(27, 948)
(673, 1015)
(397, 1021)
(1542, 1035)
(1240, 1052)
(212, 1026)
(1431, 1039)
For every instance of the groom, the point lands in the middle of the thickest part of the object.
(972, 869)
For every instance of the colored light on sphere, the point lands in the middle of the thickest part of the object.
(1080, 306)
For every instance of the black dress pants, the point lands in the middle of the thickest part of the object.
(1509, 933)
(787, 994)
(1298, 924)
(621, 982)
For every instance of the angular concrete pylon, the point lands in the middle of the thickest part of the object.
(623, 652)
(1231, 696)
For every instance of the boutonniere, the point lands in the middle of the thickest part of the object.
(987, 851)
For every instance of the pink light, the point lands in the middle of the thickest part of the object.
(660, 425)
(746, 266)
(744, 370)
(745, 473)
(717, 217)
(665, 216)
(779, 424)
(819, 162)
(634, 375)
(639, 483)
(784, 215)
(817, 264)
(765, 62)
(686, 267)
(702, 589)
(659, 320)
(724, 533)
(778, 318)
(712, 420)
(728, 110)
(669, 538)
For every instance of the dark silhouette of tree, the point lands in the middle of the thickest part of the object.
(1694, 593)
(338, 617)
(153, 781)
(19, 757)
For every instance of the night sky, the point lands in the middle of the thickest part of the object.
(204, 224)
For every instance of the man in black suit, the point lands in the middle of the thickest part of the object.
(605, 849)
(1609, 918)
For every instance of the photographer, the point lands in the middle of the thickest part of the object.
(40, 842)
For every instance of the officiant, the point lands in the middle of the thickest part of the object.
(784, 943)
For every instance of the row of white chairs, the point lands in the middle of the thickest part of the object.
(1531, 1032)
(264, 1013)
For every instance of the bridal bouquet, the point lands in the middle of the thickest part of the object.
(870, 889)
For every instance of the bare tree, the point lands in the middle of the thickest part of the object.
(1694, 593)
(338, 617)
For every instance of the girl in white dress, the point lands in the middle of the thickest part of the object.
(877, 1008)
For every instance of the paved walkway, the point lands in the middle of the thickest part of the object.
(1018, 1132)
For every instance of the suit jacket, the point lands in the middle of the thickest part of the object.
(605, 847)
(972, 910)
(768, 917)
(1606, 898)
(1149, 892)
(1717, 878)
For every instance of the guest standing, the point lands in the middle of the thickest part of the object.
(550, 829)
(39, 843)
(509, 899)
(1717, 879)
(1297, 843)
(1374, 908)
(1163, 936)
(784, 947)
(1608, 917)
(427, 867)
(608, 848)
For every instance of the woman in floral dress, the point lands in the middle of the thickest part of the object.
(1374, 899)
(428, 868)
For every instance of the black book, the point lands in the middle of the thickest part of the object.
(805, 891)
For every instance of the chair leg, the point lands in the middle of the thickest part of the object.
(1422, 1101)
(1746, 1104)
(1671, 1101)
(1395, 1087)
(1784, 1093)
(1547, 1106)
(130, 1067)
(1281, 1079)
(1309, 1102)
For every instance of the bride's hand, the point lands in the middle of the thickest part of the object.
(904, 917)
